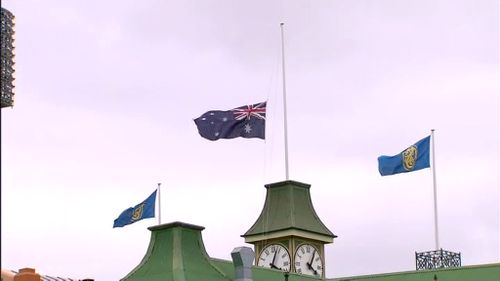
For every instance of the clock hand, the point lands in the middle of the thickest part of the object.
(272, 262)
(275, 267)
(311, 268)
(312, 257)
(309, 264)
(274, 259)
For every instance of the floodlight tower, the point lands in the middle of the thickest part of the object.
(7, 58)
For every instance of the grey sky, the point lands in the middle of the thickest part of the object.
(106, 94)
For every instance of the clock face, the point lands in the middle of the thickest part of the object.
(308, 260)
(275, 256)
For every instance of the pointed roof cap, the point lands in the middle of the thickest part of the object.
(288, 209)
(176, 253)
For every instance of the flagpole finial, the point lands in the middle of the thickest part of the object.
(281, 23)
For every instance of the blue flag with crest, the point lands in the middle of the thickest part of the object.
(143, 210)
(415, 157)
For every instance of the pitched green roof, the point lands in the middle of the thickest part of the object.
(288, 206)
(484, 272)
(176, 253)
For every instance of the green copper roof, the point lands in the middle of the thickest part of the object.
(176, 253)
(484, 272)
(288, 206)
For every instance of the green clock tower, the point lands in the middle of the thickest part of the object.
(288, 235)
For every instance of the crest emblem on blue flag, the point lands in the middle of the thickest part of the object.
(410, 157)
(415, 157)
(143, 210)
(247, 121)
(137, 212)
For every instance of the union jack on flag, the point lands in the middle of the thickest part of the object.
(248, 111)
(247, 121)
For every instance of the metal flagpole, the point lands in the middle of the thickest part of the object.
(436, 232)
(159, 204)
(284, 99)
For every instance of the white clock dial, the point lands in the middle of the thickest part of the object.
(275, 256)
(308, 260)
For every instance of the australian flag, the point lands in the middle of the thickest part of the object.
(247, 121)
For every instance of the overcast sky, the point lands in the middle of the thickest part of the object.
(106, 94)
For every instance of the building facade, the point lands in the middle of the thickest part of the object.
(288, 239)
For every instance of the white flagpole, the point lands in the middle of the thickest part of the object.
(159, 204)
(284, 99)
(436, 232)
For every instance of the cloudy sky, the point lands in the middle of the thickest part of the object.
(106, 94)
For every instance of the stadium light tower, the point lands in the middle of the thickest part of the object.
(7, 58)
